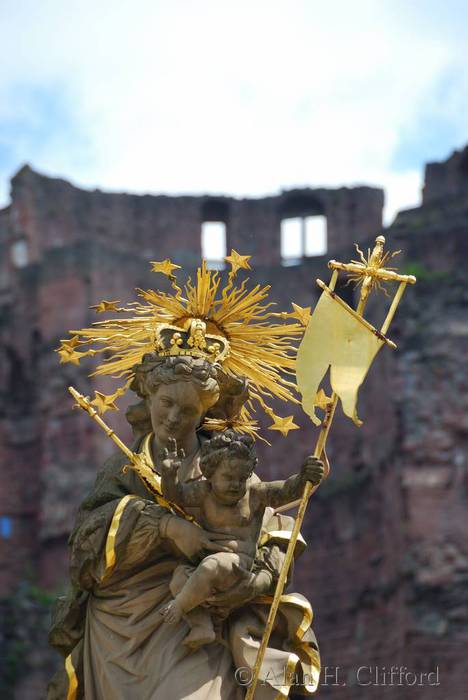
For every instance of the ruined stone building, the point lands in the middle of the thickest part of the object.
(387, 563)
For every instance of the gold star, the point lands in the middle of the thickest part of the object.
(301, 313)
(104, 403)
(64, 354)
(105, 306)
(284, 425)
(69, 355)
(237, 261)
(322, 400)
(69, 343)
(165, 267)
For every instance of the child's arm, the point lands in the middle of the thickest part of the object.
(190, 494)
(279, 493)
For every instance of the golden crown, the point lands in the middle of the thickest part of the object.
(191, 339)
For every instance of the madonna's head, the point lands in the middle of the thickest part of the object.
(178, 392)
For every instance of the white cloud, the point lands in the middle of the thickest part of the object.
(244, 98)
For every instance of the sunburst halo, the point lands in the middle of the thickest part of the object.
(262, 346)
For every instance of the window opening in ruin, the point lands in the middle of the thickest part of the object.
(292, 247)
(213, 244)
(303, 236)
(19, 253)
(5, 527)
(315, 235)
(214, 216)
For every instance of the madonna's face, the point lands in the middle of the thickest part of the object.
(176, 411)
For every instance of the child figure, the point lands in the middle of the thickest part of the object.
(229, 501)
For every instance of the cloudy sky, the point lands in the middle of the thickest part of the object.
(242, 97)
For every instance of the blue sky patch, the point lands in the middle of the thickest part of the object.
(43, 128)
(438, 129)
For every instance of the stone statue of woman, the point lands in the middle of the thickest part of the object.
(126, 546)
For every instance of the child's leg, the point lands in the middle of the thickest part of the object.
(201, 628)
(179, 578)
(198, 619)
(217, 571)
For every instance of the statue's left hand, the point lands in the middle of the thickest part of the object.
(246, 589)
(313, 470)
(192, 541)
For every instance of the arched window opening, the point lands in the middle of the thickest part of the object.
(291, 241)
(303, 227)
(19, 253)
(315, 235)
(215, 214)
(303, 237)
(213, 244)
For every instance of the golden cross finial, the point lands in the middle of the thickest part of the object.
(370, 272)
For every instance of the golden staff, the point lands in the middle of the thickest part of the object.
(370, 273)
(137, 462)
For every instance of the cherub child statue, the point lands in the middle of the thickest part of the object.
(230, 501)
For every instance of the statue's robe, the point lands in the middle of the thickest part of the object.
(116, 644)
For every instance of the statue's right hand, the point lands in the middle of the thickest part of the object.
(192, 541)
(170, 458)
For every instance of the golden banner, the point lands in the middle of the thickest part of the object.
(335, 338)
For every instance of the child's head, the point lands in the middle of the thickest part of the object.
(227, 461)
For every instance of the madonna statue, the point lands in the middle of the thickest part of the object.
(126, 545)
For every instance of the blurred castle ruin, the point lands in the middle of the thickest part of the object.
(387, 564)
